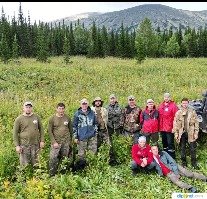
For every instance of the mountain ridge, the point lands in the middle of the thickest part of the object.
(162, 15)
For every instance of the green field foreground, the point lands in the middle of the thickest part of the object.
(46, 84)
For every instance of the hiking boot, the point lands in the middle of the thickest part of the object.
(195, 166)
(184, 164)
(193, 189)
(134, 172)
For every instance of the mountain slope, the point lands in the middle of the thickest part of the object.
(163, 15)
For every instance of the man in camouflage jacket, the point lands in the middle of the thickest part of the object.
(185, 128)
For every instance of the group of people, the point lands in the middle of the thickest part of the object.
(94, 125)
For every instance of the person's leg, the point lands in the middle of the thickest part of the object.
(53, 162)
(192, 147)
(99, 138)
(134, 167)
(171, 144)
(182, 146)
(190, 174)
(92, 145)
(155, 138)
(164, 141)
(82, 145)
(25, 156)
(147, 135)
(173, 178)
(135, 137)
(64, 152)
(35, 151)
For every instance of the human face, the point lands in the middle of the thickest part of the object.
(27, 109)
(98, 103)
(166, 99)
(142, 143)
(131, 102)
(112, 100)
(150, 105)
(60, 110)
(154, 150)
(84, 107)
(184, 104)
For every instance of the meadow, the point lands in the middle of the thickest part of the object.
(46, 84)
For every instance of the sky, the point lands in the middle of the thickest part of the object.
(48, 11)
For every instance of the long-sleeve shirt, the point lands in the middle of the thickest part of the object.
(60, 129)
(28, 130)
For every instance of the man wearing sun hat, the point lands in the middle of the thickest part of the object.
(28, 135)
(131, 119)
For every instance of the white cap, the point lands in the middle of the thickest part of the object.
(84, 101)
(150, 101)
(28, 104)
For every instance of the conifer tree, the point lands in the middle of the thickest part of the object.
(66, 50)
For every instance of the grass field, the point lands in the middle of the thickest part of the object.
(46, 84)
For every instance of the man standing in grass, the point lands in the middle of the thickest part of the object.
(60, 133)
(102, 118)
(28, 136)
(167, 110)
(131, 118)
(149, 121)
(85, 129)
(185, 129)
(114, 125)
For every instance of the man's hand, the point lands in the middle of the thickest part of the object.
(76, 141)
(176, 138)
(55, 145)
(42, 144)
(18, 149)
(195, 136)
(144, 160)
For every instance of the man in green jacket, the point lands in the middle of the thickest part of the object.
(28, 135)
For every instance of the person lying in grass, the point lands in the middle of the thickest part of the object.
(167, 166)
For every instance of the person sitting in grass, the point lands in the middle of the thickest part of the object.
(167, 166)
(142, 157)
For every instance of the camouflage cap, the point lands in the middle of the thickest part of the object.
(131, 97)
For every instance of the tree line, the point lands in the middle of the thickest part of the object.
(20, 38)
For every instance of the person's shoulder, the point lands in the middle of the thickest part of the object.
(19, 117)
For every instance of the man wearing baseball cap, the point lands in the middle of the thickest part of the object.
(149, 120)
(115, 124)
(167, 110)
(85, 128)
(28, 135)
(131, 119)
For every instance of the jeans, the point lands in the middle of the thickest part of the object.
(168, 143)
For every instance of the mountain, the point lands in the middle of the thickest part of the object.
(161, 15)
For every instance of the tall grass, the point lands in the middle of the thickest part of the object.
(46, 84)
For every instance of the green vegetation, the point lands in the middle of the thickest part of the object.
(46, 84)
